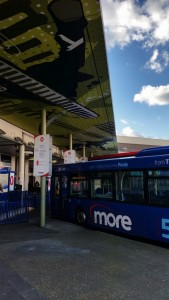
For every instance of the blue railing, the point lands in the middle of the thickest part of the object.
(14, 212)
(31, 197)
(14, 206)
(34, 200)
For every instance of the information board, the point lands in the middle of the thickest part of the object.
(42, 155)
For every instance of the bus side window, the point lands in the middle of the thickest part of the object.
(79, 185)
(129, 186)
(158, 187)
(101, 188)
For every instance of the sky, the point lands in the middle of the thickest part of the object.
(137, 43)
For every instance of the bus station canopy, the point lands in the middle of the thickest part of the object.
(53, 57)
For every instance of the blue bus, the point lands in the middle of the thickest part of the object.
(126, 194)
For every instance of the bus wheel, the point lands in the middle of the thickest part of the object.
(80, 217)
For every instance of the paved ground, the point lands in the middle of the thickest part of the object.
(63, 261)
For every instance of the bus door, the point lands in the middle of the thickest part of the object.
(60, 196)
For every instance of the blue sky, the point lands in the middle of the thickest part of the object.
(137, 41)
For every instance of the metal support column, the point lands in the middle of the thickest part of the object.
(70, 141)
(21, 171)
(43, 178)
(84, 152)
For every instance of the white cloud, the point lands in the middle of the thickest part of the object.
(123, 121)
(158, 61)
(153, 95)
(128, 131)
(127, 21)
(159, 15)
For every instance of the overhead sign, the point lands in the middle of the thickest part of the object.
(42, 155)
(12, 181)
(69, 157)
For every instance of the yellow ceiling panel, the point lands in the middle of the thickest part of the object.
(53, 56)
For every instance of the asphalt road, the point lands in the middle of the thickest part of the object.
(64, 261)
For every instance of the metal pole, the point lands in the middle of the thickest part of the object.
(43, 178)
(22, 166)
(84, 151)
(70, 141)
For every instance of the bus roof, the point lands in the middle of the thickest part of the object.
(145, 152)
(114, 155)
(153, 151)
(149, 158)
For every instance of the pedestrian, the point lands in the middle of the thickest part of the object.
(1, 188)
(37, 187)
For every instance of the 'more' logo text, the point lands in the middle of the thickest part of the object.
(112, 221)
